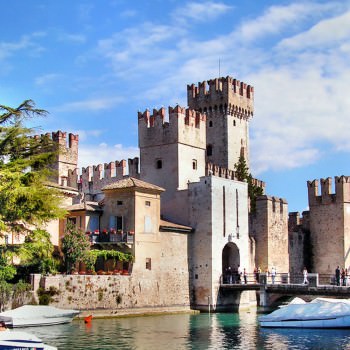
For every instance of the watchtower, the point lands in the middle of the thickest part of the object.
(330, 223)
(67, 156)
(228, 105)
(172, 153)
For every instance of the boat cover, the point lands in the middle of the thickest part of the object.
(35, 311)
(318, 309)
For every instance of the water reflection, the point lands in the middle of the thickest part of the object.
(184, 331)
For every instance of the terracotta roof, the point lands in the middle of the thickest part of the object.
(131, 182)
(60, 187)
(88, 206)
(171, 226)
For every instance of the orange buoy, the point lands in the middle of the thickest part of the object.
(88, 319)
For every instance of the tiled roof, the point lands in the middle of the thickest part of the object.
(169, 226)
(131, 182)
(88, 206)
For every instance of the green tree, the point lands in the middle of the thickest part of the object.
(36, 253)
(25, 197)
(75, 246)
(243, 174)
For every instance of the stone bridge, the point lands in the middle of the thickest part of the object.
(268, 293)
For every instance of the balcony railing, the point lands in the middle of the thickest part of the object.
(111, 237)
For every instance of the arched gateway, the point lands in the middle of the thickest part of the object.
(230, 257)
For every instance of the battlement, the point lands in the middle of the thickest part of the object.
(185, 126)
(157, 118)
(212, 169)
(228, 94)
(94, 177)
(341, 195)
(272, 204)
(60, 138)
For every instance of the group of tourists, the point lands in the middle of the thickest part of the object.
(342, 276)
(234, 276)
(239, 275)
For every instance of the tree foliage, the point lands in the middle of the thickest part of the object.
(36, 253)
(75, 246)
(243, 174)
(25, 197)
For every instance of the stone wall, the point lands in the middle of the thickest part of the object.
(269, 228)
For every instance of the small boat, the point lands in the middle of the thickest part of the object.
(36, 315)
(319, 313)
(22, 340)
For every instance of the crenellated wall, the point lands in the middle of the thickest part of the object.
(330, 222)
(229, 93)
(93, 178)
(184, 126)
(228, 105)
(269, 228)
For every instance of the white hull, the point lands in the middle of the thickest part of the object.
(42, 321)
(22, 341)
(338, 322)
(33, 316)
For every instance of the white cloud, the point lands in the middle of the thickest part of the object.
(26, 44)
(74, 38)
(93, 104)
(278, 18)
(200, 11)
(326, 33)
(46, 79)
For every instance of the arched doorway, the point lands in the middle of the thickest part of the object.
(230, 258)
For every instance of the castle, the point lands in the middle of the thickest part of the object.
(182, 212)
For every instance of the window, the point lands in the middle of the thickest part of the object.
(148, 203)
(119, 202)
(234, 123)
(6, 239)
(119, 224)
(210, 124)
(148, 263)
(209, 150)
(159, 164)
(194, 164)
(148, 224)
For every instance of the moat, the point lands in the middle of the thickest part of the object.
(187, 331)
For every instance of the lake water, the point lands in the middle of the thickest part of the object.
(185, 331)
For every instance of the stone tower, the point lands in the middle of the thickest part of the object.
(67, 157)
(228, 105)
(330, 223)
(172, 154)
(269, 228)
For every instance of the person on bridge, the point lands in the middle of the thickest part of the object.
(337, 275)
(273, 274)
(245, 275)
(305, 276)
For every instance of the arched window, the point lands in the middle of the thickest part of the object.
(159, 164)
(234, 123)
(210, 124)
(194, 164)
(209, 150)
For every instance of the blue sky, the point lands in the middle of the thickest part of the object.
(94, 64)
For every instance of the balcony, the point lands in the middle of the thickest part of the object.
(111, 237)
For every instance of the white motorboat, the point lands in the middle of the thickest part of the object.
(36, 315)
(319, 313)
(22, 340)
